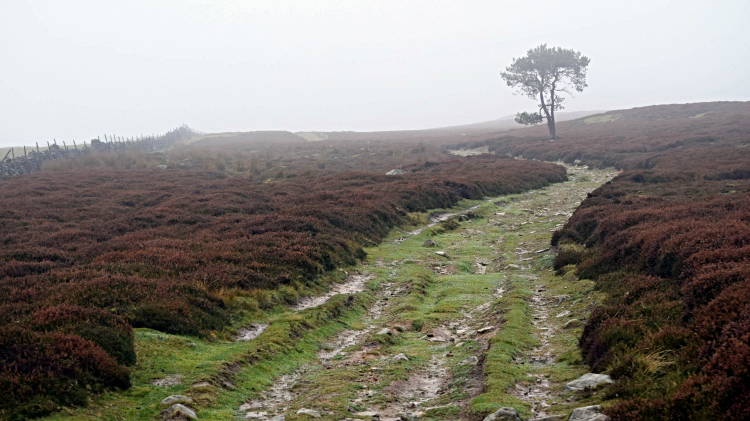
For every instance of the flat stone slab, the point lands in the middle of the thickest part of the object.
(588, 380)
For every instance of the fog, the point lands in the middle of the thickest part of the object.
(75, 69)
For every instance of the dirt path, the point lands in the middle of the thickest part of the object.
(420, 350)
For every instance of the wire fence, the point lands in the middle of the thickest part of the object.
(14, 164)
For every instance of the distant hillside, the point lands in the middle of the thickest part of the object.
(439, 135)
(624, 138)
(509, 123)
(240, 138)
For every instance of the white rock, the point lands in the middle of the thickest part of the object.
(588, 413)
(256, 415)
(484, 330)
(504, 414)
(563, 314)
(441, 253)
(385, 331)
(588, 380)
(399, 357)
(169, 400)
(278, 418)
(310, 412)
(367, 414)
(471, 360)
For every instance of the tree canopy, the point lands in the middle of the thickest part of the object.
(542, 74)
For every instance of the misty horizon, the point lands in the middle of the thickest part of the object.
(80, 69)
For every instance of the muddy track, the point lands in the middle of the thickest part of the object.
(428, 387)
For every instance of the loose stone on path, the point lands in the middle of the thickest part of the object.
(588, 381)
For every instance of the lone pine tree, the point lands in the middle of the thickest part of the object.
(542, 73)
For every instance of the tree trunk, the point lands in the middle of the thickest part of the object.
(551, 127)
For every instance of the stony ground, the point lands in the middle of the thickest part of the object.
(425, 347)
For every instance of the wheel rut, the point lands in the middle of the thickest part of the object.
(443, 338)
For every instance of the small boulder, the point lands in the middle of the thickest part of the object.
(385, 331)
(504, 414)
(367, 414)
(399, 357)
(563, 314)
(588, 380)
(560, 417)
(278, 418)
(169, 400)
(429, 243)
(309, 412)
(484, 330)
(260, 416)
(588, 413)
(471, 361)
(161, 167)
(441, 253)
(178, 410)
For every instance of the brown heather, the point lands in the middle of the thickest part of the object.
(671, 247)
(85, 255)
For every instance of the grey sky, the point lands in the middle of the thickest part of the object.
(74, 69)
